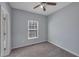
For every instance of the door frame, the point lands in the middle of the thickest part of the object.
(8, 48)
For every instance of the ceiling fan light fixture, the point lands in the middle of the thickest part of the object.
(44, 4)
(41, 6)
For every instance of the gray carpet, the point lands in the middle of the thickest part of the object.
(44, 49)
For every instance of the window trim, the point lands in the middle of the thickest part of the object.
(32, 21)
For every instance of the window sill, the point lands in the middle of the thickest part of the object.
(33, 38)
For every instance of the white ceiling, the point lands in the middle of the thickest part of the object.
(28, 6)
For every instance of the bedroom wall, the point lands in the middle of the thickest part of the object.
(20, 28)
(63, 28)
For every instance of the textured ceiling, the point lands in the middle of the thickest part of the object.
(28, 6)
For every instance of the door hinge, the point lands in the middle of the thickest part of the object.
(4, 33)
(4, 18)
(4, 48)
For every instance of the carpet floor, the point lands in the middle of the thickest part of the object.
(44, 49)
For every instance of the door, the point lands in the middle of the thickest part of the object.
(5, 40)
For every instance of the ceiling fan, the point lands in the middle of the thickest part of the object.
(43, 5)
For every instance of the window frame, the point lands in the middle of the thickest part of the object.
(32, 22)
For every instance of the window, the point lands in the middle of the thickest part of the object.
(32, 29)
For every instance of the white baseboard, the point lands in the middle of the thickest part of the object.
(27, 44)
(65, 49)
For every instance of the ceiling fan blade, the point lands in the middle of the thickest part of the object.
(51, 3)
(44, 9)
(36, 6)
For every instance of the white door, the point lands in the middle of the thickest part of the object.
(5, 40)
